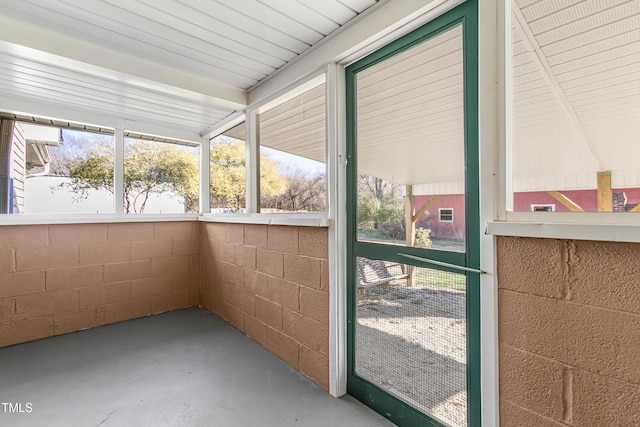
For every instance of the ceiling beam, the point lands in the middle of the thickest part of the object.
(540, 59)
(26, 40)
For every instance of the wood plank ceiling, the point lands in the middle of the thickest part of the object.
(231, 43)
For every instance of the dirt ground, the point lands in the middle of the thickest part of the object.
(410, 341)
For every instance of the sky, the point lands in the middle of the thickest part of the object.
(284, 159)
(288, 159)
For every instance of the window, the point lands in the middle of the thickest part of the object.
(160, 177)
(56, 170)
(576, 107)
(293, 154)
(543, 208)
(227, 182)
(445, 214)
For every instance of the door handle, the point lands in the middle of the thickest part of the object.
(442, 264)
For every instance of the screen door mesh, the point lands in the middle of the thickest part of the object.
(411, 336)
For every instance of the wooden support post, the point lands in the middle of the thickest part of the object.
(409, 208)
(605, 194)
(410, 226)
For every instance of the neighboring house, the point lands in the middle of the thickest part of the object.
(25, 149)
(17, 160)
(29, 156)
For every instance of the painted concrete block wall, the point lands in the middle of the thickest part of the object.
(569, 328)
(271, 283)
(56, 279)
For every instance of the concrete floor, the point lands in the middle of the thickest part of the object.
(184, 368)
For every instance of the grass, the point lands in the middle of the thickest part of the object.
(427, 276)
(375, 236)
(443, 279)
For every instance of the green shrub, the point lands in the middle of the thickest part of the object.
(422, 238)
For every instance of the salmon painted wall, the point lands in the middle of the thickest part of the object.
(586, 199)
(522, 201)
(440, 229)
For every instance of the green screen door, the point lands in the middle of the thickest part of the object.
(413, 332)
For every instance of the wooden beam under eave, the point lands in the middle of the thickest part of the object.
(567, 202)
(426, 205)
(605, 194)
(635, 209)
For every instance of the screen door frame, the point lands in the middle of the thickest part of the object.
(384, 403)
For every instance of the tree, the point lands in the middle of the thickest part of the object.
(228, 175)
(380, 206)
(149, 168)
(304, 191)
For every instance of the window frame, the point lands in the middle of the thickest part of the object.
(118, 128)
(442, 211)
(134, 137)
(230, 123)
(71, 127)
(603, 226)
(250, 116)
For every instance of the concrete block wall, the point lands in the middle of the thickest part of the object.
(271, 283)
(56, 279)
(569, 332)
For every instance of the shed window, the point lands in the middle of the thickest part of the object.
(445, 214)
(543, 208)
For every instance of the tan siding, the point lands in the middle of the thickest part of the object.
(62, 278)
(264, 292)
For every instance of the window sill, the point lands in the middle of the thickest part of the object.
(303, 220)
(547, 230)
(40, 219)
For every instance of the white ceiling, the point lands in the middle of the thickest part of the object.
(410, 114)
(105, 55)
